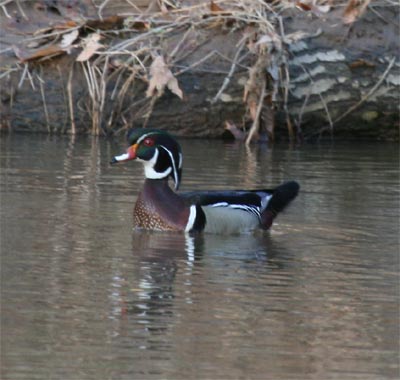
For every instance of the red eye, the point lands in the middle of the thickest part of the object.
(148, 141)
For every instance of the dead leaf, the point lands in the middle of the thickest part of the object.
(161, 77)
(106, 23)
(216, 13)
(361, 63)
(133, 23)
(303, 6)
(69, 38)
(265, 39)
(294, 37)
(91, 45)
(163, 7)
(323, 8)
(25, 56)
(354, 9)
(252, 104)
(271, 39)
(311, 6)
(67, 25)
(215, 7)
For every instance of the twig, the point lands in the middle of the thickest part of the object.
(117, 108)
(6, 2)
(363, 99)
(103, 87)
(256, 120)
(179, 44)
(70, 101)
(58, 33)
(370, 92)
(153, 32)
(231, 71)
(199, 62)
(150, 110)
(303, 106)
(328, 115)
(46, 113)
(22, 79)
(64, 94)
(21, 10)
(134, 6)
(205, 58)
(285, 102)
(286, 84)
(30, 78)
(92, 86)
(5, 10)
(100, 10)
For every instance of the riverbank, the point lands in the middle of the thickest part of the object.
(283, 70)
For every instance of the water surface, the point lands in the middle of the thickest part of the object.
(85, 297)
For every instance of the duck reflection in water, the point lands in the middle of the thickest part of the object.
(171, 266)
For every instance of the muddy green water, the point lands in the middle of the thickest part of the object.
(85, 297)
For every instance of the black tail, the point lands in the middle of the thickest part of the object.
(281, 197)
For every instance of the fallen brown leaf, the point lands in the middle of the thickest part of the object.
(311, 6)
(91, 45)
(354, 9)
(67, 25)
(25, 56)
(69, 38)
(141, 26)
(303, 6)
(161, 77)
(361, 63)
(252, 104)
(215, 7)
(107, 23)
(163, 7)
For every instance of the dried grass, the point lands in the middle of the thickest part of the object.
(126, 65)
(135, 54)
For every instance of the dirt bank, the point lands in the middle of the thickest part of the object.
(286, 68)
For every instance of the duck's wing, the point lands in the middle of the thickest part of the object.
(247, 206)
(227, 212)
(245, 198)
(264, 199)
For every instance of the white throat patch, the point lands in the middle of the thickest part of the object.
(149, 171)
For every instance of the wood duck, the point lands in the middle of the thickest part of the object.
(158, 207)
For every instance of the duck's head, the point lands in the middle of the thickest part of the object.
(158, 150)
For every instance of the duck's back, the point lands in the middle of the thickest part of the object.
(230, 212)
(241, 211)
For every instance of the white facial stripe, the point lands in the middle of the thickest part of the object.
(176, 179)
(180, 160)
(191, 219)
(141, 138)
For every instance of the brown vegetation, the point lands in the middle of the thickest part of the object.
(128, 54)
